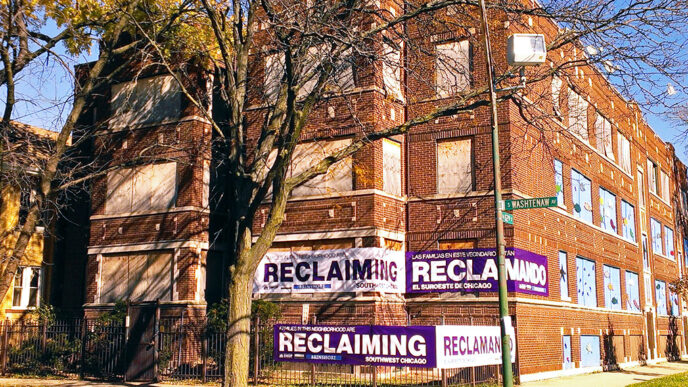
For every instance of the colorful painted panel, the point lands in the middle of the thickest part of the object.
(673, 298)
(590, 351)
(559, 181)
(656, 229)
(563, 276)
(566, 343)
(632, 292)
(581, 191)
(612, 287)
(607, 211)
(585, 282)
(628, 221)
(660, 297)
(669, 242)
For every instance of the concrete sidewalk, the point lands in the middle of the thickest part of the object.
(615, 379)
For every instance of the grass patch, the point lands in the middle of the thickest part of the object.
(667, 381)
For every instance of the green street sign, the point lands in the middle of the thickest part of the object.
(523, 204)
(507, 218)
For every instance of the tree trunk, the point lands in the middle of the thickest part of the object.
(238, 330)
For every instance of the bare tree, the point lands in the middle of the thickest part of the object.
(277, 62)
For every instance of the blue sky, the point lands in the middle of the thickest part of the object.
(44, 97)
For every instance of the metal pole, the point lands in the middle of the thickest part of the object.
(507, 380)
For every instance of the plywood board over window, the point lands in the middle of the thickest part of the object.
(145, 101)
(457, 244)
(578, 115)
(391, 71)
(454, 166)
(603, 136)
(452, 68)
(136, 277)
(146, 188)
(339, 177)
(391, 167)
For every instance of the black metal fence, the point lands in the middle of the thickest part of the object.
(191, 351)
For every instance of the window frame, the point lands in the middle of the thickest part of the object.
(635, 308)
(25, 288)
(669, 243)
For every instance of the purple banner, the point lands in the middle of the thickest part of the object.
(357, 345)
(475, 270)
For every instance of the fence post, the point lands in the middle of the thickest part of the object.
(44, 334)
(83, 347)
(5, 345)
(156, 341)
(313, 321)
(256, 350)
(204, 355)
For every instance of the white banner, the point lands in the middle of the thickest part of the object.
(331, 271)
(469, 346)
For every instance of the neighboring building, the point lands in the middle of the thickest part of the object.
(24, 148)
(612, 245)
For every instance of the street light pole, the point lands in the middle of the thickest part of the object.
(504, 318)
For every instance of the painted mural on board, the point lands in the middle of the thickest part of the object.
(475, 270)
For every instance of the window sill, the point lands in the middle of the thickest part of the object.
(566, 299)
(661, 199)
(148, 213)
(665, 257)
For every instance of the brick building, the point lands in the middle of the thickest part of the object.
(612, 245)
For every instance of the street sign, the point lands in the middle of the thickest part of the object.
(507, 218)
(523, 204)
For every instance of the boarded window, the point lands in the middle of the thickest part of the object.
(559, 182)
(624, 147)
(391, 71)
(603, 136)
(452, 68)
(608, 211)
(578, 115)
(339, 177)
(564, 276)
(632, 292)
(274, 71)
(628, 220)
(146, 188)
(454, 166)
(656, 230)
(145, 101)
(391, 167)
(669, 242)
(556, 95)
(665, 186)
(660, 297)
(585, 282)
(457, 244)
(581, 192)
(612, 287)
(136, 277)
(205, 199)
